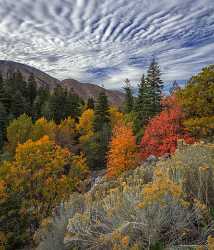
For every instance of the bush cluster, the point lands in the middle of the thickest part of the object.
(155, 206)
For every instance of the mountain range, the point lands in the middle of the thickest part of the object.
(84, 90)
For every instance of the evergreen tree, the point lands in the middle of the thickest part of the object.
(18, 80)
(63, 103)
(56, 104)
(1, 79)
(72, 105)
(14, 94)
(31, 89)
(96, 148)
(18, 83)
(102, 139)
(101, 112)
(129, 99)
(90, 103)
(3, 123)
(5, 97)
(154, 79)
(43, 95)
(10, 75)
(2, 90)
(18, 105)
(144, 104)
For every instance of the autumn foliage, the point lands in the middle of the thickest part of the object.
(41, 176)
(66, 133)
(115, 116)
(197, 101)
(164, 130)
(85, 125)
(123, 152)
(44, 163)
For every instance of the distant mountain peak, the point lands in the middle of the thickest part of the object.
(84, 90)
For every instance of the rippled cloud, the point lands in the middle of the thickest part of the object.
(106, 41)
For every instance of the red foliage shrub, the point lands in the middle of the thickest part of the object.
(164, 130)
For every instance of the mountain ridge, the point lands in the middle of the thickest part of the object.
(84, 90)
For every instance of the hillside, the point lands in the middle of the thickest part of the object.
(26, 70)
(84, 90)
(145, 208)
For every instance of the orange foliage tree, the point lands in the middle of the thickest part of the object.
(164, 130)
(123, 152)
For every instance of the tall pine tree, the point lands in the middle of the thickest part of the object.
(72, 105)
(18, 105)
(56, 104)
(5, 96)
(90, 103)
(31, 89)
(143, 108)
(102, 115)
(63, 103)
(18, 83)
(43, 95)
(129, 99)
(154, 79)
(1, 79)
(3, 124)
(99, 143)
(2, 90)
(15, 94)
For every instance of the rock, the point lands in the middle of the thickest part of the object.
(151, 159)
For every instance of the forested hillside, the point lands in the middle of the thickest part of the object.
(156, 153)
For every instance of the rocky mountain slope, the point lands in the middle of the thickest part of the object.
(41, 77)
(84, 90)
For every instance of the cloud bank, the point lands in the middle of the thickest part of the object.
(106, 41)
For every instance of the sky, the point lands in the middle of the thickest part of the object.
(106, 41)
